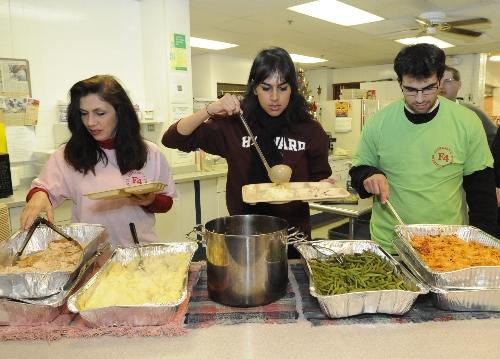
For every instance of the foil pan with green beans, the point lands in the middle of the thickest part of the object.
(366, 279)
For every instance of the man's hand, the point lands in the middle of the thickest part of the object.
(378, 185)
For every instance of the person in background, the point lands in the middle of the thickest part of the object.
(419, 152)
(105, 151)
(495, 151)
(450, 84)
(277, 114)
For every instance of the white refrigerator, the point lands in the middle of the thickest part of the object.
(345, 120)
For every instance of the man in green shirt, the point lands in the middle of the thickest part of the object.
(421, 151)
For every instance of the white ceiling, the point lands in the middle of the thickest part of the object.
(257, 24)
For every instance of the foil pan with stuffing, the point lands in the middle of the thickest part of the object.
(472, 278)
(133, 315)
(396, 302)
(32, 285)
(42, 311)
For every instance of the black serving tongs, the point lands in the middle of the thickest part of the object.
(36, 223)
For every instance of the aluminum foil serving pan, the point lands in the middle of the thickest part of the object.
(468, 278)
(38, 285)
(462, 299)
(41, 311)
(388, 301)
(132, 315)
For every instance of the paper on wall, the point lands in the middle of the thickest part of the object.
(20, 143)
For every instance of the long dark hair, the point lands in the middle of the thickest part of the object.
(82, 151)
(420, 61)
(274, 60)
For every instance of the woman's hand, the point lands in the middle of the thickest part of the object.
(143, 199)
(331, 180)
(228, 104)
(39, 202)
(378, 185)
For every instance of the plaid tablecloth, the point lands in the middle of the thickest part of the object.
(203, 312)
(423, 310)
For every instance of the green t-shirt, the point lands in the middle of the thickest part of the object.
(424, 164)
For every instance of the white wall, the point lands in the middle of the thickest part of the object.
(210, 69)
(66, 41)
(493, 79)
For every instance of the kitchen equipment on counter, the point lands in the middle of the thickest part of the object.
(247, 262)
(331, 143)
(388, 301)
(278, 174)
(5, 176)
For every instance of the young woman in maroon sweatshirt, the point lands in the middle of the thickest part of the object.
(277, 115)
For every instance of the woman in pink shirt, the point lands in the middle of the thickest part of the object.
(105, 151)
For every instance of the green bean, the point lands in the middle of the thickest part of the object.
(359, 272)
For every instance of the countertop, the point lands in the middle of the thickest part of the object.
(18, 197)
(454, 339)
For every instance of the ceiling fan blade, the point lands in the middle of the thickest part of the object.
(465, 32)
(479, 20)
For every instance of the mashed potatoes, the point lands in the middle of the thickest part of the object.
(161, 282)
(278, 192)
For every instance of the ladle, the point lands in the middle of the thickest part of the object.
(406, 229)
(278, 174)
(136, 242)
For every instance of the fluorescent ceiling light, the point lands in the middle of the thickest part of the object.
(494, 56)
(305, 59)
(209, 44)
(336, 12)
(425, 39)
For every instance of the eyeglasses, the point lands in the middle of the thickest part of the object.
(412, 92)
(447, 81)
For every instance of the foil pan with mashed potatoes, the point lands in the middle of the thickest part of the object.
(120, 293)
(41, 283)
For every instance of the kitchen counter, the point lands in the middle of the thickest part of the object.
(18, 197)
(433, 339)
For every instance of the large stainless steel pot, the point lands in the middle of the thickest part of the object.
(246, 258)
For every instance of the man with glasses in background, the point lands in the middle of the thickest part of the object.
(450, 84)
(420, 151)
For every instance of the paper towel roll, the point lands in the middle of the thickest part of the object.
(14, 175)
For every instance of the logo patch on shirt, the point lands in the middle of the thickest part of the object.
(442, 156)
(135, 177)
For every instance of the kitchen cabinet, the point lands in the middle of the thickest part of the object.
(221, 197)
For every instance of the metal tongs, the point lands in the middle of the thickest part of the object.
(136, 241)
(333, 253)
(38, 221)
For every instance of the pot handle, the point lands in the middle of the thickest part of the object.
(200, 233)
(295, 237)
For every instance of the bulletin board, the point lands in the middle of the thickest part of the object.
(15, 90)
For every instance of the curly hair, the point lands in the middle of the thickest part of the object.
(268, 62)
(82, 152)
(420, 61)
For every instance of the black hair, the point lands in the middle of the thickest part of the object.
(82, 151)
(420, 61)
(268, 62)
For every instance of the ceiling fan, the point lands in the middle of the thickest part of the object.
(433, 23)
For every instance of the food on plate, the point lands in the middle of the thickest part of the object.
(161, 282)
(60, 255)
(358, 272)
(448, 252)
(319, 191)
(278, 192)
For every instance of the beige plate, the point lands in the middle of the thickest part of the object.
(299, 191)
(127, 191)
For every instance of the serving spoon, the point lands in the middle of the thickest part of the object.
(405, 227)
(278, 174)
